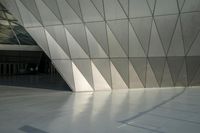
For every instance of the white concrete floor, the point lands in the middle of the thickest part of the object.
(170, 110)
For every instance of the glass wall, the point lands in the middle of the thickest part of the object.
(11, 32)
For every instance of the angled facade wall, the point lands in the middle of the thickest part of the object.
(116, 44)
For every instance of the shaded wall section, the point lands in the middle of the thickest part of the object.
(116, 44)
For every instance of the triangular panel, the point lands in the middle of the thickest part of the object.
(55, 50)
(67, 13)
(192, 64)
(53, 6)
(58, 33)
(48, 17)
(175, 65)
(114, 46)
(96, 50)
(99, 5)
(166, 7)
(81, 84)
(181, 3)
(142, 27)
(75, 6)
(150, 78)
(191, 5)
(84, 66)
(166, 33)
(157, 65)
(195, 48)
(99, 81)
(28, 18)
(122, 67)
(135, 48)
(103, 65)
(39, 36)
(98, 29)
(120, 30)
(117, 81)
(166, 79)
(124, 5)
(138, 8)
(89, 12)
(151, 4)
(176, 47)
(182, 78)
(113, 10)
(78, 32)
(64, 67)
(134, 80)
(31, 6)
(155, 46)
(196, 79)
(75, 49)
(139, 64)
(189, 27)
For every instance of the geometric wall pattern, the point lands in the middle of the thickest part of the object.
(116, 44)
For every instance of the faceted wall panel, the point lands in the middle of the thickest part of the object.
(116, 44)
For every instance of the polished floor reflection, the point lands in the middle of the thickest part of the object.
(169, 110)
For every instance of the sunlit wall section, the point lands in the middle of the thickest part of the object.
(116, 44)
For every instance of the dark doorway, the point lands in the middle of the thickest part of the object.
(29, 69)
